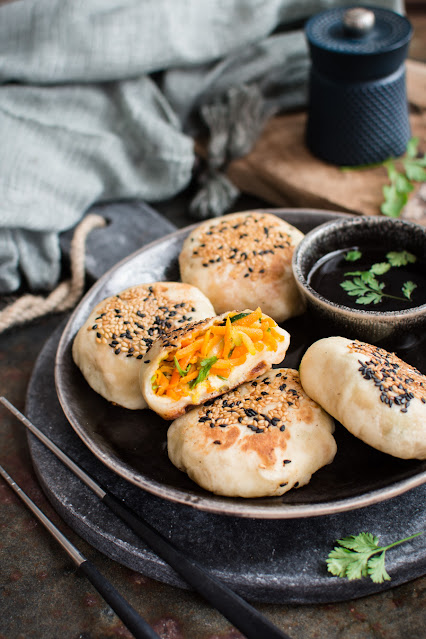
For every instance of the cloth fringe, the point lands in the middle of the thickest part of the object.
(234, 127)
(66, 294)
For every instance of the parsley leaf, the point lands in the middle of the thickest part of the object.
(366, 291)
(408, 288)
(206, 365)
(396, 193)
(380, 268)
(401, 183)
(394, 201)
(400, 258)
(352, 256)
(357, 556)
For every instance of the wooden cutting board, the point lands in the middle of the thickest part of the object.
(281, 170)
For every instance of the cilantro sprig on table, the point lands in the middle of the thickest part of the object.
(366, 287)
(402, 173)
(401, 182)
(357, 556)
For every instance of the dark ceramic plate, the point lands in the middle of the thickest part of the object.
(133, 443)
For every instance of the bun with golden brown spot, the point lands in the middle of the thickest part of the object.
(261, 439)
(110, 345)
(244, 260)
(191, 365)
(375, 395)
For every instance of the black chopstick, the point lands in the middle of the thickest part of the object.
(132, 620)
(239, 612)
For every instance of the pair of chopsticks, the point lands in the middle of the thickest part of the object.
(240, 613)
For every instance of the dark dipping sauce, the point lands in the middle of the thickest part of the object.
(328, 273)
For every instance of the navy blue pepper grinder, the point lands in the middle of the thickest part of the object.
(358, 111)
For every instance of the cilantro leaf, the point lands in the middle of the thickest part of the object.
(362, 542)
(400, 258)
(369, 298)
(394, 201)
(338, 561)
(395, 194)
(403, 184)
(380, 268)
(376, 568)
(357, 556)
(367, 289)
(408, 288)
(412, 146)
(352, 256)
(415, 171)
(206, 365)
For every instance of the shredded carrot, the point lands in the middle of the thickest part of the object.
(248, 320)
(230, 343)
(190, 349)
(277, 335)
(227, 339)
(270, 341)
(205, 342)
(239, 360)
(239, 351)
(215, 340)
(172, 394)
(254, 333)
(248, 343)
(174, 380)
(189, 377)
(223, 363)
(163, 383)
(218, 330)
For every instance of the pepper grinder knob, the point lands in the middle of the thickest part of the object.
(358, 21)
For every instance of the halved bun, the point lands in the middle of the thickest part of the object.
(191, 365)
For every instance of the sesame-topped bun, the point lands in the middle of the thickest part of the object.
(244, 260)
(261, 439)
(110, 345)
(190, 365)
(375, 395)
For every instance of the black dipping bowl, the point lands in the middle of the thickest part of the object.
(392, 329)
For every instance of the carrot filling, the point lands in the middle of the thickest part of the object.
(215, 352)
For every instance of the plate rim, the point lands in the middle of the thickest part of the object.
(214, 503)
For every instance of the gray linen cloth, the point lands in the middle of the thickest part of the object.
(99, 98)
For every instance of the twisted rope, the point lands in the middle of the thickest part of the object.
(66, 294)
